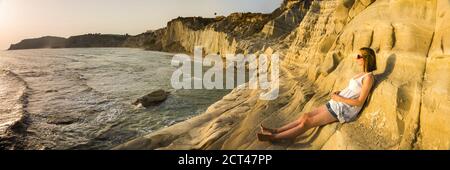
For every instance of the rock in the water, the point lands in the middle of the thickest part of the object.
(63, 120)
(51, 91)
(152, 99)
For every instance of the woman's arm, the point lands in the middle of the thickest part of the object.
(365, 90)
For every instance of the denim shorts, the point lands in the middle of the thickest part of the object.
(331, 111)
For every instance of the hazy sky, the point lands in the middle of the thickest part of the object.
(21, 19)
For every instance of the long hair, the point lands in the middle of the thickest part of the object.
(370, 64)
(370, 59)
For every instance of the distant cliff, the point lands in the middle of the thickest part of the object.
(80, 41)
(238, 32)
(96, 40)
(43, 42)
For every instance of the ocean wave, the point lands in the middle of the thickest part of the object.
(13, 103)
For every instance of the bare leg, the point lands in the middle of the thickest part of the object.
(322, 117)
(268, 130)
(284, 128)
(319, 117)
(291, 125)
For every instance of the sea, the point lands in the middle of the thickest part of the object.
(81, 98)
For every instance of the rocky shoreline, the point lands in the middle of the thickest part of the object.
(318, 40)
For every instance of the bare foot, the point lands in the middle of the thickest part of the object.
(264, 137)
(268, 130)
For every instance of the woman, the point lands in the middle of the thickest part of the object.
(344, 106)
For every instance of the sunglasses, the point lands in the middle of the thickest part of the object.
(359, 57)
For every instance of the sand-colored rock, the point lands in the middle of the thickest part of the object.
(237, 33)
(435, 109)
(409, 106)
(286, 18)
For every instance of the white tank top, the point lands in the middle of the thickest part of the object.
(344, 111)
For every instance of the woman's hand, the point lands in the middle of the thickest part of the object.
(365, 90)
(336, 97)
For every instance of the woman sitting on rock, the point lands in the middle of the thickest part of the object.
(344, 106)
